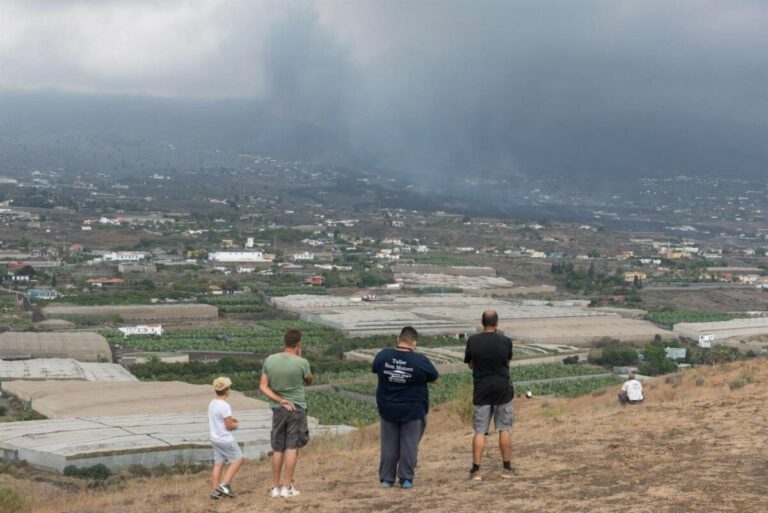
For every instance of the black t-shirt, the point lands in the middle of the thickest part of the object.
(403, 394)
(490, 354)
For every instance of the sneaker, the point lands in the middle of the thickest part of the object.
(508, 473)
(225, 490)
(216, 495)
(275, 492)
(289, 492)
(474, 475)
(406, 484)
(386, 484)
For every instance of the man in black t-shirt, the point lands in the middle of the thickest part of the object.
(488, 355)
(402, 398)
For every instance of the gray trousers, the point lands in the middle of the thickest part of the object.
(400, 448)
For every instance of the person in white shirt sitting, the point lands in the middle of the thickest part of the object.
(631, 391)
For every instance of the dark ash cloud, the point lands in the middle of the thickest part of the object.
(426, 88)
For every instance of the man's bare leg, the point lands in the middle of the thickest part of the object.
(478, 443)
(505, 445)
(277, 466)
(291, 457)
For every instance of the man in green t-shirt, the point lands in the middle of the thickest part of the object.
(283, 378)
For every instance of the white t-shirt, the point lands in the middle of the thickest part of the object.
(634, 390)
(219, 410)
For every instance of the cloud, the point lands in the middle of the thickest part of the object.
(201, 48)
(478, 87)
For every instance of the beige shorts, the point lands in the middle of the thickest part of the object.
(503, 417)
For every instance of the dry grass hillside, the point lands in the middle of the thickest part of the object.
(697, 445)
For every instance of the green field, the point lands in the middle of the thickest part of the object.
(435, 259)
(573, 388)
(335, 409)
(243, 303)
(263, 337)
(322, 347)
(451, 386)
(666, 318)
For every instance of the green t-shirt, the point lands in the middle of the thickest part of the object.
(286, 373)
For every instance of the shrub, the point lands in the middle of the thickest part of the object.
(717, 354)
(98, 472)
(139, 471)
(674, 380)
(617, 355)
(744, 379)
(189, 467)
(655, 361)
(463, 406)
(10, 500)
(161, 470)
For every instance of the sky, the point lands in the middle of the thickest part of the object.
(470, 87)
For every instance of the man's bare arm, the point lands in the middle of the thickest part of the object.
(271, 394)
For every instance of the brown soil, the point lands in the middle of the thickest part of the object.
(696, 445)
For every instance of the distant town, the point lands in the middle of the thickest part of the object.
(114, 284)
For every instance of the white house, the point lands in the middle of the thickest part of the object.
(237, 256)
(705, 341)
(306, 255)
(124, 256)
(145, 329)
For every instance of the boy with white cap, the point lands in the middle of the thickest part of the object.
(221, 423)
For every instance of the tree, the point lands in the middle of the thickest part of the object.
(618, 355)
(655, 361)
(591, 272)
(27, 270)
(145, 284)
(332, 278)
(25, 243)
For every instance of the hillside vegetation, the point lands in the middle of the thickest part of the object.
(696, 445)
